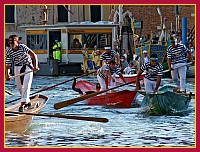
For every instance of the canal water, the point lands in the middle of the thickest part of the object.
(128, 127)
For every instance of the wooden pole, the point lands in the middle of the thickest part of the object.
(104, 120)
(54, 85)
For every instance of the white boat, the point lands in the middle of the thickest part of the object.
(20, 122)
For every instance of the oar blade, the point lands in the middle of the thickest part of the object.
(62, 104)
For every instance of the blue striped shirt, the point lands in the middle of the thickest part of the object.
(152, 72)
(177, 54)
(106, 57)
(101, 72)
(19, 57)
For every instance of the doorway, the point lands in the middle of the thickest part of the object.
(53, 35)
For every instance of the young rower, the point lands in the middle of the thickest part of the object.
(153, 75)
(109, 71)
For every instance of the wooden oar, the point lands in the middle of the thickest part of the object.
(72, 101)
(21, 74)
(143, 92)
(47, 88)
(128, 84)
(178, 67)
(104, 120)
(62, 82)
(8, 92)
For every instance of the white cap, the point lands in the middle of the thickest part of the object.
(173, 35)
(144, 51)
(107, 48)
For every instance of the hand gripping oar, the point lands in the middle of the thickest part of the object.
(62, 116)
(72, 101)
(47, 88)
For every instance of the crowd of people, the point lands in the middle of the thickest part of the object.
(127, 62)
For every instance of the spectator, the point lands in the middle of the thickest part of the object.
(130, 69)
(123, 63)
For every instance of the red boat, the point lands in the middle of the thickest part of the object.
(119, 99)
(128, 78)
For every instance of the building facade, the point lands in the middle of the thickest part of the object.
(115, 25)
(20, 15)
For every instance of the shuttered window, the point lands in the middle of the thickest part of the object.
(95, 12)
(62, 13)
(9, 13)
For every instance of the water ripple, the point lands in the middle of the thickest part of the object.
(126, 127)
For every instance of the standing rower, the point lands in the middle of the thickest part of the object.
(108, 55)
(176, 58)
(22, 57)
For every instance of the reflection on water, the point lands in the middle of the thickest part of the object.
(126, 127)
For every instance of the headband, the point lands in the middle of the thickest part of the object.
(154, 58)
(13, 39)
(107, 48)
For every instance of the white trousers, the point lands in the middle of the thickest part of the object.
(179, 73)
(149, 85)
(113, 84)
(102, 82)
(24, 89)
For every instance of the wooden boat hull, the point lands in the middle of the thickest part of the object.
(120, 99)
(128, 78)
(18, 122)
(166, 103)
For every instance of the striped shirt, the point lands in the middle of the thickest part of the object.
(152, 72)
(177, 54)
(102, 71)
(19, 57)
(106, 57)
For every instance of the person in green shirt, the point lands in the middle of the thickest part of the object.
(57, 50)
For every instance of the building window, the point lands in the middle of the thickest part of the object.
(95, 12)
(62, 13)
(77, 41)
(9, 13)
(37, 41)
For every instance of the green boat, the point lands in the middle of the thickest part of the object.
(166, 102)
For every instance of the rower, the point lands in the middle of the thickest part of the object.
(176, 58)
(109, 71)
(152, 77)
(22, 57)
